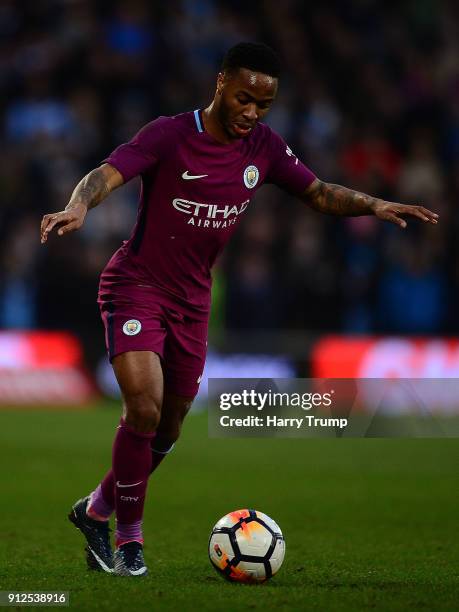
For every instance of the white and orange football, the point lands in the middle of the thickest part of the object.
(246, 546)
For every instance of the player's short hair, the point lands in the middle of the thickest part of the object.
(253, 56)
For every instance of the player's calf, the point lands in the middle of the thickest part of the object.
(175, 408)
(173, 413)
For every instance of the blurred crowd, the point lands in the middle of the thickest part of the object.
(369, 99)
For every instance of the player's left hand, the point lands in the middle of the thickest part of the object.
(390, 211)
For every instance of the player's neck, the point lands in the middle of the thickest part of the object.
(213, 126)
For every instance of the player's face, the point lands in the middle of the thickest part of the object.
(244, 98)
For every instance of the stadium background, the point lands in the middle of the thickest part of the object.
(369, 99)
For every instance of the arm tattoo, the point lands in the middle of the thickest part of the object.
(337, 200)
(91, 190)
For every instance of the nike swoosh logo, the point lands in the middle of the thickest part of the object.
(103, 565)
(138, 572)
(190, 177)
(123, 486)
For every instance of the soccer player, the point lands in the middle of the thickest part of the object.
(199, 171)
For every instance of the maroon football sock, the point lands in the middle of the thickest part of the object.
(160, 447)
(102, 499)
(107, 487)
(131, 461)
(102, 502)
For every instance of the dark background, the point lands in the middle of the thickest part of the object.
(369, 99)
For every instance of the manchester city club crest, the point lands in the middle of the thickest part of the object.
(251, 175)
(132, 327)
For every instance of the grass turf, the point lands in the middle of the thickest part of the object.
(369, 524)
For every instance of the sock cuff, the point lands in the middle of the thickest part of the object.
(130, 430)
(97, 508)
(162, 444)
(119, 543)
(128, 532)
(163, 451)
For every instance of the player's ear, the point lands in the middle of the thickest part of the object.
(220, 82)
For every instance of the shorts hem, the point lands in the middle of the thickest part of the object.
(183, 388)
(158, 352)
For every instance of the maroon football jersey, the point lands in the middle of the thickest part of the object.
(194, 191)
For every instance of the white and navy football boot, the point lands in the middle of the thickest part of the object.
(129, 560)
(97, 533)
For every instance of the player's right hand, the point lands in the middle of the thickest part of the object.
(67, 220)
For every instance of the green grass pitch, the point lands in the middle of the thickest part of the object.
(369, 524)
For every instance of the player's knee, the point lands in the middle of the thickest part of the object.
(143, 411)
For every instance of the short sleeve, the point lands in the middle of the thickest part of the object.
(143, 151)
(285, 169)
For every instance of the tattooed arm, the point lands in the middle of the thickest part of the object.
(336, 200)
(89, 192)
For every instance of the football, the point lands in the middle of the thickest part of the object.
(246, 546)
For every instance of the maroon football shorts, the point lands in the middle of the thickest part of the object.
(136, 320)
